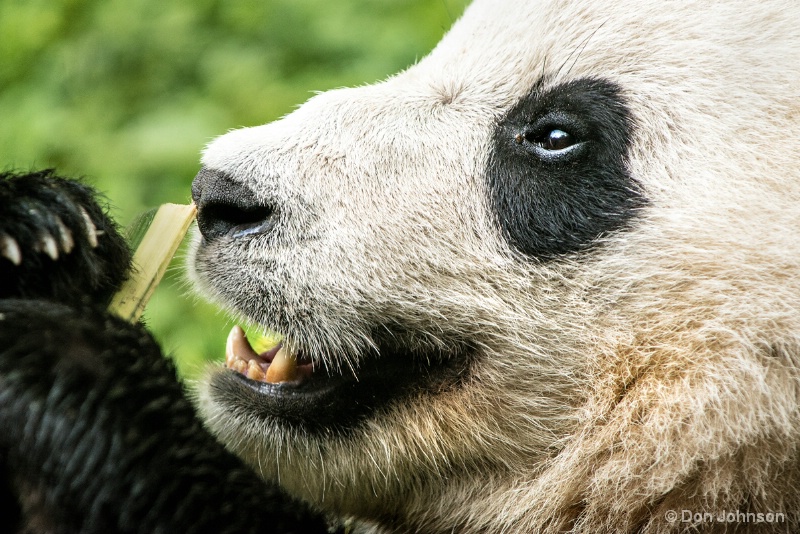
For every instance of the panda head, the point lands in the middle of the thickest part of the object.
(511, 271)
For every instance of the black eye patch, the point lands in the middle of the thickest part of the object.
(557, 172)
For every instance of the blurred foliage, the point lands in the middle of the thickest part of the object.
(127, 92)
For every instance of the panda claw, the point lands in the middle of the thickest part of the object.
(48, 245)
(10, 250)
(67, 241)
(91, 229)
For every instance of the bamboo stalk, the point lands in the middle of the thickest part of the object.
(150, 261)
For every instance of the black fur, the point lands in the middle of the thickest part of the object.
(29, 207)
(97, 435)
(547, 202)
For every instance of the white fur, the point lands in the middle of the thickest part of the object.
(660, 371)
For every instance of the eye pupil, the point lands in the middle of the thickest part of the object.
(557, 140)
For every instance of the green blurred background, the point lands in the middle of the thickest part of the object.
(126, 93)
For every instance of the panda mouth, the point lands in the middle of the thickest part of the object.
(289, 389)
(275, 365)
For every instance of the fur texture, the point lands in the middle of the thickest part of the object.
(655, 371)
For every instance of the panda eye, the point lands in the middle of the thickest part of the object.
(554, 140)
(551, 140)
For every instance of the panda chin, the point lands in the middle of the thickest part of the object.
(315, 399)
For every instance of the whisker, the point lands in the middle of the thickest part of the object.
(579, 49)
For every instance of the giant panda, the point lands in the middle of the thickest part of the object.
(544, 280)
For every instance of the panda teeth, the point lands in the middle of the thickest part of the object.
(283, 368)
(254, 371)
(238, 349)
(275, 365)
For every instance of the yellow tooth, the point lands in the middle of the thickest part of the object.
(254, 371)
(283, 367)
(238, 348)
(233, 336)
(240, 366)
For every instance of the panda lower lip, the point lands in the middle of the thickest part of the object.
(321, 400)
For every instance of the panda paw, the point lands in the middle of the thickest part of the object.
(56, 241)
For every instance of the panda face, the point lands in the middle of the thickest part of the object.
(555, 181)
(514, 275)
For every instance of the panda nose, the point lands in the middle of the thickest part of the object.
(225, 207)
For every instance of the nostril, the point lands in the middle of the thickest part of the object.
(226, 219)
(226, 207)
